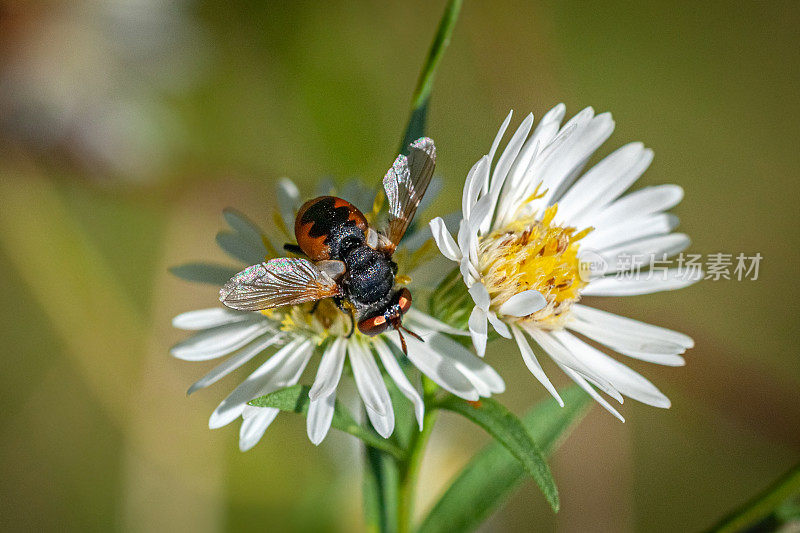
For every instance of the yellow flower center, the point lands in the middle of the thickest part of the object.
(326, 320)
(535, 254)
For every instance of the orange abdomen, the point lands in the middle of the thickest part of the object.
(324, 223)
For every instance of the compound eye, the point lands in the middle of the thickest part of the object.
(404, 301)
(373, 326)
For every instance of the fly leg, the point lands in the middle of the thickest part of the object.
(340, 304)
(294, 249)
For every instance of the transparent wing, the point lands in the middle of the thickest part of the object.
(405, 184)
(277, 282)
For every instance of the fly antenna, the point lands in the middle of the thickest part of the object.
(412, 333)
(402, 342)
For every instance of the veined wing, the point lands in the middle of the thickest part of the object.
(405, 184)
(277, 282)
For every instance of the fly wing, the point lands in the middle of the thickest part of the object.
(277, 282)
(405, 184)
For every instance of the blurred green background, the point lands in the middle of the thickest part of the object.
(126, 127)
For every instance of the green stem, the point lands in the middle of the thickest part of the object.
(378, 443)
(422, 92)
(762, 505)
(410, 467)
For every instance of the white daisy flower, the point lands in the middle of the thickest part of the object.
(533, 228)
(287, 339)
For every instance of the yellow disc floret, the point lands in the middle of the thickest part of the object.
(325, 320)
(531, 253)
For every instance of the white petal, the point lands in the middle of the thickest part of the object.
(208, 318)
(241, 248)
(282, 368)
(553, 116)
(254, 427)
(485, 379)
(478, 329)
(625, 380)
(525, 175)
(480, 295)
(496, 143)
(644, 251)
(233, 362)
(320, 415)
(498, 325)
(245, 242)
(509, 155)
(221, 340)
(577, 378)
(468, 272)
(629, 230)
(533, 364)
(547, 129)
(672, 279)
(565, 357)
(566, 164)
(444, 240)
(615, 322)
(619, 174)
(418, 317)
(398, 376)
(509, 201)
(503, 166)
(438, 367)
(329, 370)
(383, 424)
(369, 381)
(468, 242)
(624, 342)
(600, 178)
(473, 185)
(639, 203)
(523, 303)
(482, 209)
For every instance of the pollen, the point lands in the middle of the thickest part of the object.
(533, 253)
(315, 320)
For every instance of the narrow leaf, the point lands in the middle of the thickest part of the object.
(295, 399)
(204, 273)
(509, 431)
(487, 481)
(422, 93)
(773, 498)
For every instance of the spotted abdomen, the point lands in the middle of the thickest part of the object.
(327, 227)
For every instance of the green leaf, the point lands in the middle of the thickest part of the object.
(422, 93)
(773, 498)
(487, 481)
(295, 400)
(509, 431)
(204, 273)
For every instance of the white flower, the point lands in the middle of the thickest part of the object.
(294, 335)
(533, 231)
